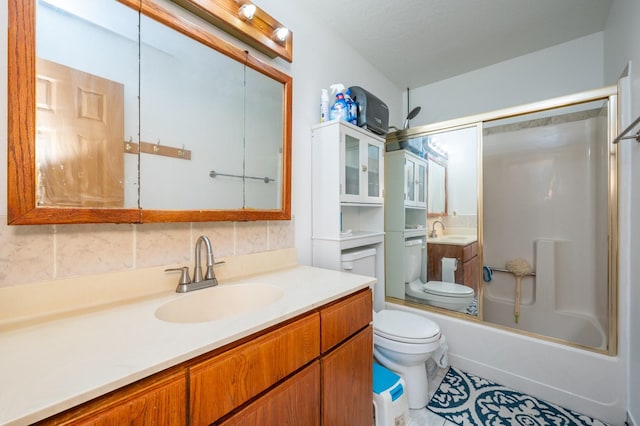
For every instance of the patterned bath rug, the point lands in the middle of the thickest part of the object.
(469, 400)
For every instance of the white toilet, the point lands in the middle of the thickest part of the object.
(402, 341)
(448, 295)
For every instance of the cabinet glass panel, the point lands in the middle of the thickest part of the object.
(373, 168)
(409, 179)
(421, 184)
(352, 165)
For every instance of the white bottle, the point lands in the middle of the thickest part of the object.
(324, 106)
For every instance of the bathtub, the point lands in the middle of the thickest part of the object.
(585, 381)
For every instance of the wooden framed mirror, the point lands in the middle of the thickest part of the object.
(155, 127)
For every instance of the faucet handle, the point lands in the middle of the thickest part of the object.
(184, 276)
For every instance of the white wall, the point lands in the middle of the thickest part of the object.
(560, 70)
(319, 59)
(622, 44)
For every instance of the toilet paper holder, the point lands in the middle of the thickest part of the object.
(449, 266)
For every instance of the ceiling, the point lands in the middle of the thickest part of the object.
(417, 42)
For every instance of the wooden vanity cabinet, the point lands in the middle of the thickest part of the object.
(313, 370)
(467, 272)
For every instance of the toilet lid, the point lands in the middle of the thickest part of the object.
(442, 288)
(404, 326)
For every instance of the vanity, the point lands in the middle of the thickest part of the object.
(461, 247)
(306, 355)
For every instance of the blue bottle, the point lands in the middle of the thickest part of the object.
(339, 109)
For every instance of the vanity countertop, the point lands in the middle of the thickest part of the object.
(50, 365)
(453, 239)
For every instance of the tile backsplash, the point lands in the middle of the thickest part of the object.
(30, 254)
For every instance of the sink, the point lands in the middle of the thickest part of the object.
(216, 303)
(453, 239)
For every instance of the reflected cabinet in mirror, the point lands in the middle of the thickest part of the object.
(525, 235)
(135, 111)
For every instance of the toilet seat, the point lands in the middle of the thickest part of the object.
(405, 327)
(443, 288)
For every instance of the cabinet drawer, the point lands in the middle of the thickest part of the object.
(226, 381)
(295, 402)
(159, 400)
(343, 319)
(469, 251)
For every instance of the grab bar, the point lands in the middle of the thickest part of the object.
(213, 174)
(622, 135)
(506, 270)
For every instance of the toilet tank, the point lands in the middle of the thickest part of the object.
(359, 261)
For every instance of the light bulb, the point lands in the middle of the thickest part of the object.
(247, 11)
(281, 34)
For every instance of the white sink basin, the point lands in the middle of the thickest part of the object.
(459, 239)
(222, 301)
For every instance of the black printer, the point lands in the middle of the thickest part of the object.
(373, 114)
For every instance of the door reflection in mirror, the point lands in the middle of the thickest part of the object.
(86, 98)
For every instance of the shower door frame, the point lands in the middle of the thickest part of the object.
(610, 94)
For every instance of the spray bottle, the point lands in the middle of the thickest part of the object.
(324, 106)
(339, 110)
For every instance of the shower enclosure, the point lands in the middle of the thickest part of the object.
(546, 196)
(545, 200)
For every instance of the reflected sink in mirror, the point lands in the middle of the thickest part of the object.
(219, 302)
(462, 240)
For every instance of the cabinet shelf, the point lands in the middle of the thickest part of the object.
(362, 205)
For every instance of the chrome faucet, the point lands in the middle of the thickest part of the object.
(197, 273)
(185, 284)
(433, 233)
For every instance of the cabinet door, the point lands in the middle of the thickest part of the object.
(409, 182)
(421, 184)
(415, 182)
(362, 169)
(294, 402)
(347, 392)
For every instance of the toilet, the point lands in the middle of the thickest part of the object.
(402, 341)
(448, 295)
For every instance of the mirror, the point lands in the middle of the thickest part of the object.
(437, 187)
(437, 251)
(181, 125)
(452, 251)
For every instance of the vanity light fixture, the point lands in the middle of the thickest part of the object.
(245, 21)
(280, 34)
(247, 11)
